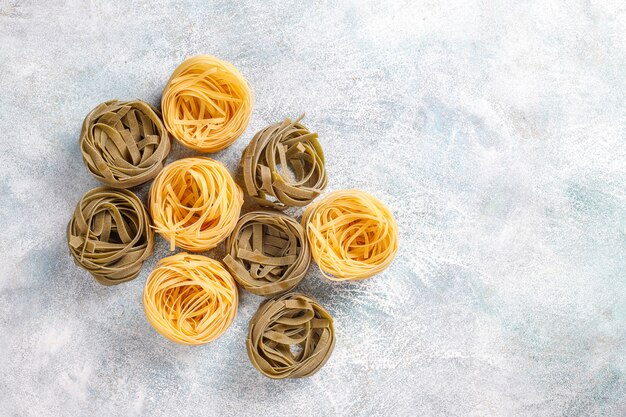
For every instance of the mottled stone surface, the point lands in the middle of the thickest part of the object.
(495, 130)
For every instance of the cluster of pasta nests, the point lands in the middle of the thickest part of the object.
(195, 204)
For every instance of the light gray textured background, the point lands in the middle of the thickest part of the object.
(495, 130)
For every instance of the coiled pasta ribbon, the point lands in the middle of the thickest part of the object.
(267, 253)
(292, 320)
(195, 203)
(283, 166)
(190, 299)
(124, 143)
(206, 103)
(352, 235)
(109, 235)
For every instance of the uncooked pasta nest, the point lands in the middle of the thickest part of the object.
(206, 103)
(292, 322)
(190, 299)
(109, 235)
(195, 203)
(124, 143)
(267, 253)
(352, 235)
(283, 166)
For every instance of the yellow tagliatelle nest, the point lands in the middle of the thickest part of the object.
(206, 103)
(195, 203)
(352, 235)
(190, 299)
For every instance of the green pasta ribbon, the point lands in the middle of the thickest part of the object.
(267, 253)
(292, 320)
(283, 166)
(124, 143)
(109, 235)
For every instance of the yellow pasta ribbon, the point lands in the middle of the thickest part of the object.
(352, 235)
(206, 103)
(190, 299)
(195, 203)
